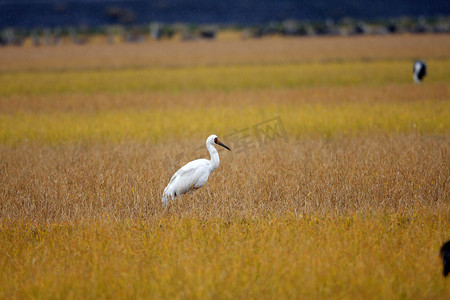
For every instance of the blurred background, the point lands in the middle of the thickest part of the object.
(53, 22)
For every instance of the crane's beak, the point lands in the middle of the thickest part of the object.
(222, 144)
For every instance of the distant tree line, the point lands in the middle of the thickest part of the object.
(159, 31)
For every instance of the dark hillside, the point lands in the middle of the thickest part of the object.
(93, 13)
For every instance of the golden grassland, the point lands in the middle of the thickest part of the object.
(310, 218)
(162, 124)
(394, 174)
(352, 202)
(225, 52)
(217, 78)
(374, 257)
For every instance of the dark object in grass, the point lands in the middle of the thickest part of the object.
(445, 255)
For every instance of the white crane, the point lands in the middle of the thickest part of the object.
(194, 174)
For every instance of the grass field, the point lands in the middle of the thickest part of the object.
(337, 186)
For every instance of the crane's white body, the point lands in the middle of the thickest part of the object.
(194, 174)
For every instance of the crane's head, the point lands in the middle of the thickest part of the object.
(214, 140)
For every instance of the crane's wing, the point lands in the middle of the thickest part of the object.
(169, 191)
(188, 169)
(185, 179)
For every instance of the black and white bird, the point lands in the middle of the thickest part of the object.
(419, 70)
(445, 255)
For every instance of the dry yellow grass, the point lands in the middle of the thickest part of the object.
(218, 78)
(158, 117)
(224, 52)
(358, 217)
(179, 258)
(327, 96)
(352, 202)
(376, 174)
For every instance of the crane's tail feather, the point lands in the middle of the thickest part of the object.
(167, 196)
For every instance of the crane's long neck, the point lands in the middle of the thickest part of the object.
(214, 157)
